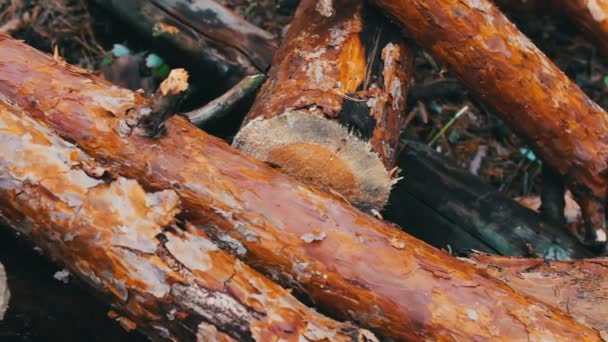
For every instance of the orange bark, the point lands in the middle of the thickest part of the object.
(124, 243)
(579, 288)
(503, 68)
(350, 264)
(348, 71)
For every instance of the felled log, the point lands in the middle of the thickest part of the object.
(579, 288)
(204, 31)
(504, 69)
(349, 264)
(125, 243)
(331, 110)
(454, 194)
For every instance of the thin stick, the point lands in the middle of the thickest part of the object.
(221, 106)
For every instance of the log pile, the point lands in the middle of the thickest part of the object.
(188, 238)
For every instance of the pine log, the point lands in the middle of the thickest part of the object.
(503, 68)
(350, 264)
(124, 243)
(590, 15)
(331, 110)
(452, 193)
(204, 31)
(579, 288)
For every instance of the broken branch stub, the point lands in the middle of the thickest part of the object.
(350, 265)
(123, 242)
(507, 71)
(330, 113)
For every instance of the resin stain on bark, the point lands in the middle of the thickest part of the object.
(123, 242)
(219, 186)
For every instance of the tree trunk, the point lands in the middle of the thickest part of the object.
(455, 195)
(206, 32)
(350, 264)
(336, 89)
(504, 69)
(580, 287)
(125, 244)
(591, 15)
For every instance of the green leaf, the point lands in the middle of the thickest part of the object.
(161, 72)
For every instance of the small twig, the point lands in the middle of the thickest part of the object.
(450, 123)
(223, 105)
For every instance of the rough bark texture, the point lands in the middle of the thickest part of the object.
(452, 193)
(204, 30)
(331, 110)
(5, 294)
(349, 263)
(579, 288)
(503, 68)
(123, 242)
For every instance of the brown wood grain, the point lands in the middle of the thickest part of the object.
(579, 288)
(168, 279)
(350, 265)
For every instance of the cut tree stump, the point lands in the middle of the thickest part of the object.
(505, 70)
(451, 193)
(350, 264)
(331, 110)
(204, 31)
(125, 243)
(579, 287)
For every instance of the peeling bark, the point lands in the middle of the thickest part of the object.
(579, 288)
(331, 110)
(205, 31)
(451, 193)
(124, 243)
(354, 266)
(503, 68)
